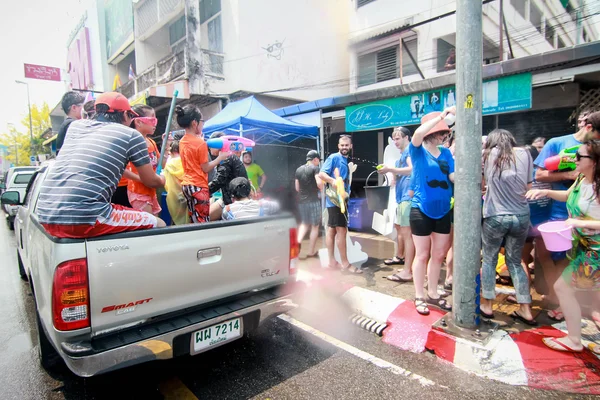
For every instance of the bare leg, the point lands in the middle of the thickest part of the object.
(409, 252)
(525, 256)
(399, 243)
(314, 235)
(216, 212)
(422, 251)
(302, 229)
(330, 242)
(572, 312)
(439, 247)
(341, 243)
(551, 270)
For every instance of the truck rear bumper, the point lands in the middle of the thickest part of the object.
(85, 360)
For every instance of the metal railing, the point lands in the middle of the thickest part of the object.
(166, 70)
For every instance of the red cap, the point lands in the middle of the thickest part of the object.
(439, 127)
(116, 102)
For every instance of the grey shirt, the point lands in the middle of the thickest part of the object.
(506, 192)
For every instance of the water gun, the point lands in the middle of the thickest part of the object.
(341, 190)
(564, 161)
(230, 143)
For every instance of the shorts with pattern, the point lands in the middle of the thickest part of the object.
(121, 219)
(139, 201)
(198, 202)
(310, 213)
(403, 213)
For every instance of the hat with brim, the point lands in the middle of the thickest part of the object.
(440, 127)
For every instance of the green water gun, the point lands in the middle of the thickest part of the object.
(564, 161)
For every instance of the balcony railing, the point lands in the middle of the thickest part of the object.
(212, 63)
(166, 70)
(127, 89)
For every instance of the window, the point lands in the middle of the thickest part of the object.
(208, 9)
(520, 6)
(536, 17)
(550, 35)
(585, 37)
(360, 3)
(383, 65)
(30, 189)
(215, 39)
(22, 179)
(177, 30)
(561, 44)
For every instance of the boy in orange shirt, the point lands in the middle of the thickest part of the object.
(193, 152)
(141, 197)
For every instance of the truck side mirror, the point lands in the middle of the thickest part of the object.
(10, 198)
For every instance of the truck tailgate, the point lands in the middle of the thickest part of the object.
(134, 277)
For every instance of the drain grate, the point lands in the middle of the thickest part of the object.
(369, 324)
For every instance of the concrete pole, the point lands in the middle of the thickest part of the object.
(467, 191)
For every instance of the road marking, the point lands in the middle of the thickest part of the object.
(357, 352)
(174, 389)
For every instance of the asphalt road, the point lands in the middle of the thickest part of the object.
(307, 356)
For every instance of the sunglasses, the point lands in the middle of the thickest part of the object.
(152, 121)
(578, 156)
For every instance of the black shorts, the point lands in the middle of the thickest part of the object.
(335, 218)
(120, 197)
(422, 225)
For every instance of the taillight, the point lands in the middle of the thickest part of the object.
(71, 296)
(294, 250)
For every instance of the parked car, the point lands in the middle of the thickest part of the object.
(18, 181)
(111, 302)
(8, 174)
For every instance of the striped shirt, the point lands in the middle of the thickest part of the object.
(79, 185)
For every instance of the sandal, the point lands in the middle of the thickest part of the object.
(315, 254)
(397, 278)
(394, 261)
(486, 315)
(421, 306)
(554, 344)
(530, 322)
(440, 303)
(448, 287)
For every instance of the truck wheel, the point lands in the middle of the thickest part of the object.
(49, 358)
(21, 267)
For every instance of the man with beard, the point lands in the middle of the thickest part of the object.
(337, 223)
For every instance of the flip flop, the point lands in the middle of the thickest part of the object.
(349, 270)
(394, 261)
(556, 316)
(486, 315)
(421, 306)
(554, 344)
(448, 287)
(315, 254)
(530, 322)
(397, 278)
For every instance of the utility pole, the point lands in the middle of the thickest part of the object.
(467, 193)
(30, 122)
(500, 25)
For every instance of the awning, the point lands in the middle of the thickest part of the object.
(167, 90)
(379, 30)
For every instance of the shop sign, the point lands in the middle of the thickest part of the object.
(502, 95)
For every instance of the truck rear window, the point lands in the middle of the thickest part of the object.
(22, 179)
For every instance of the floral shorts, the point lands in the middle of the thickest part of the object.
(583, 272)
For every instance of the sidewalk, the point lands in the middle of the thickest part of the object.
(515, 354)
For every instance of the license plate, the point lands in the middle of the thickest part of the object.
(216, 335)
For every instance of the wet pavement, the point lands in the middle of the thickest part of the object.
(321, 356)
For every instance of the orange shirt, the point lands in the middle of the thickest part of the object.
(193, 152)
(139, 187)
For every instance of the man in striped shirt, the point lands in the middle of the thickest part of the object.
(75, 197)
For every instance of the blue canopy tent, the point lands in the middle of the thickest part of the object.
(249, 118)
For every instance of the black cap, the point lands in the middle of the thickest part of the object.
(312, 155)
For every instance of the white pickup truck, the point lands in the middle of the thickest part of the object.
(115, 301)
(17, 180)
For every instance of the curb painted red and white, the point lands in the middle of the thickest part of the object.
(516, 359)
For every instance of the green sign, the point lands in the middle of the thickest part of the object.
(118, 15)
(507, 94)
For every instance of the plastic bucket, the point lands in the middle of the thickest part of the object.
(377, 196)
(557, 235)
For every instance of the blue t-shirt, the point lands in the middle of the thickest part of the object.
(402, 181)
(336, 160)
(552, 148)
(430, 178)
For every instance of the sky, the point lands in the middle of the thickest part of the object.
(33, 32)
